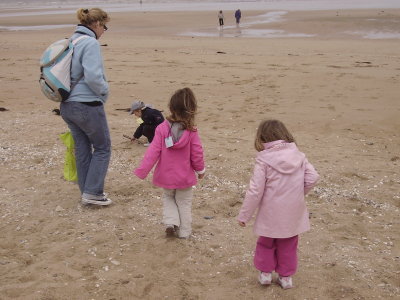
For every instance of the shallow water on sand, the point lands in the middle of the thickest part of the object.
(64, 6)
(245, 30)
(276, 12)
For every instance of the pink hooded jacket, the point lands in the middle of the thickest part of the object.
(177, 164)
(282, 176)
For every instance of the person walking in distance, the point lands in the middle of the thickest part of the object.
(221, 19)
(238, 16)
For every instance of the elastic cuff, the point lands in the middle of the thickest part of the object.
(201, 172)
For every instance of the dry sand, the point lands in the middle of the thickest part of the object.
(337, 93)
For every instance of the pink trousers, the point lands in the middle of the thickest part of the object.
(279, 255)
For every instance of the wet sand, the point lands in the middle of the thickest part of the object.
(337, 93)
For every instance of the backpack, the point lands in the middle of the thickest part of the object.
(55, 69)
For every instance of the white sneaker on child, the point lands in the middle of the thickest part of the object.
(265, 278)
(285, 282)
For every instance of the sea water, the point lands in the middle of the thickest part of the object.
(276, 11)
(66, 6)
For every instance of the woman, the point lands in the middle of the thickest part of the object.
(84, 112)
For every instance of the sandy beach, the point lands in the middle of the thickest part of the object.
(332, 77)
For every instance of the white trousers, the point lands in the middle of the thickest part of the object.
(177, 210)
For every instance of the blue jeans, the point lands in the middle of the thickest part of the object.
(88, 125)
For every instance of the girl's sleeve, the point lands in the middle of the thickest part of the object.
(310, 177)
(150, 157)
(254, 193)
(196, 154)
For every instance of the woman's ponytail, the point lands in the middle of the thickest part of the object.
(92, 15)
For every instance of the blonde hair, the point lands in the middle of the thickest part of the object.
(92, 15)
(269, 131)
(183, 107)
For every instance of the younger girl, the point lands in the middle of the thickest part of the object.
(282, 176)
(177, 149)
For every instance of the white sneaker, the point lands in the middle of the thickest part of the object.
(265, 278)
(285, 282)
(146, 144)
(103, 201)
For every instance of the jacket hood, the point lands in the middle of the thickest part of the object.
(83, 29)
(183, 140)
(282, 156)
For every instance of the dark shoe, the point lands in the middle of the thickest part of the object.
(170, 231)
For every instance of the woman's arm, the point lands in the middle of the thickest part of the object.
(92, 63)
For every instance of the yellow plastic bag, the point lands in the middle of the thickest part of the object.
(70, 172)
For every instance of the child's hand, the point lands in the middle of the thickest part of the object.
(242, 224)
(201, 176)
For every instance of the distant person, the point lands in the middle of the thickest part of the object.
(221, 19)
(178, 153)
(84, 111)
(149, 119)
(238, 15)
(282, 176)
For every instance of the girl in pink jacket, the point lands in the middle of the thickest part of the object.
(282, 176)
(177, 150)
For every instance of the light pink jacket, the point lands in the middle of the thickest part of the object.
(282, 176)
(177, 164)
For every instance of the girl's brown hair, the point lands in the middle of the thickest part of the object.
(92, 15)
(183, 107)
(271, 130)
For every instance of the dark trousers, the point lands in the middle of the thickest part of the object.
(149, 131)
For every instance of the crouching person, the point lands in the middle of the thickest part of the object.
(148, 118)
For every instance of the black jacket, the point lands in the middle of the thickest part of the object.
(150, 117)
